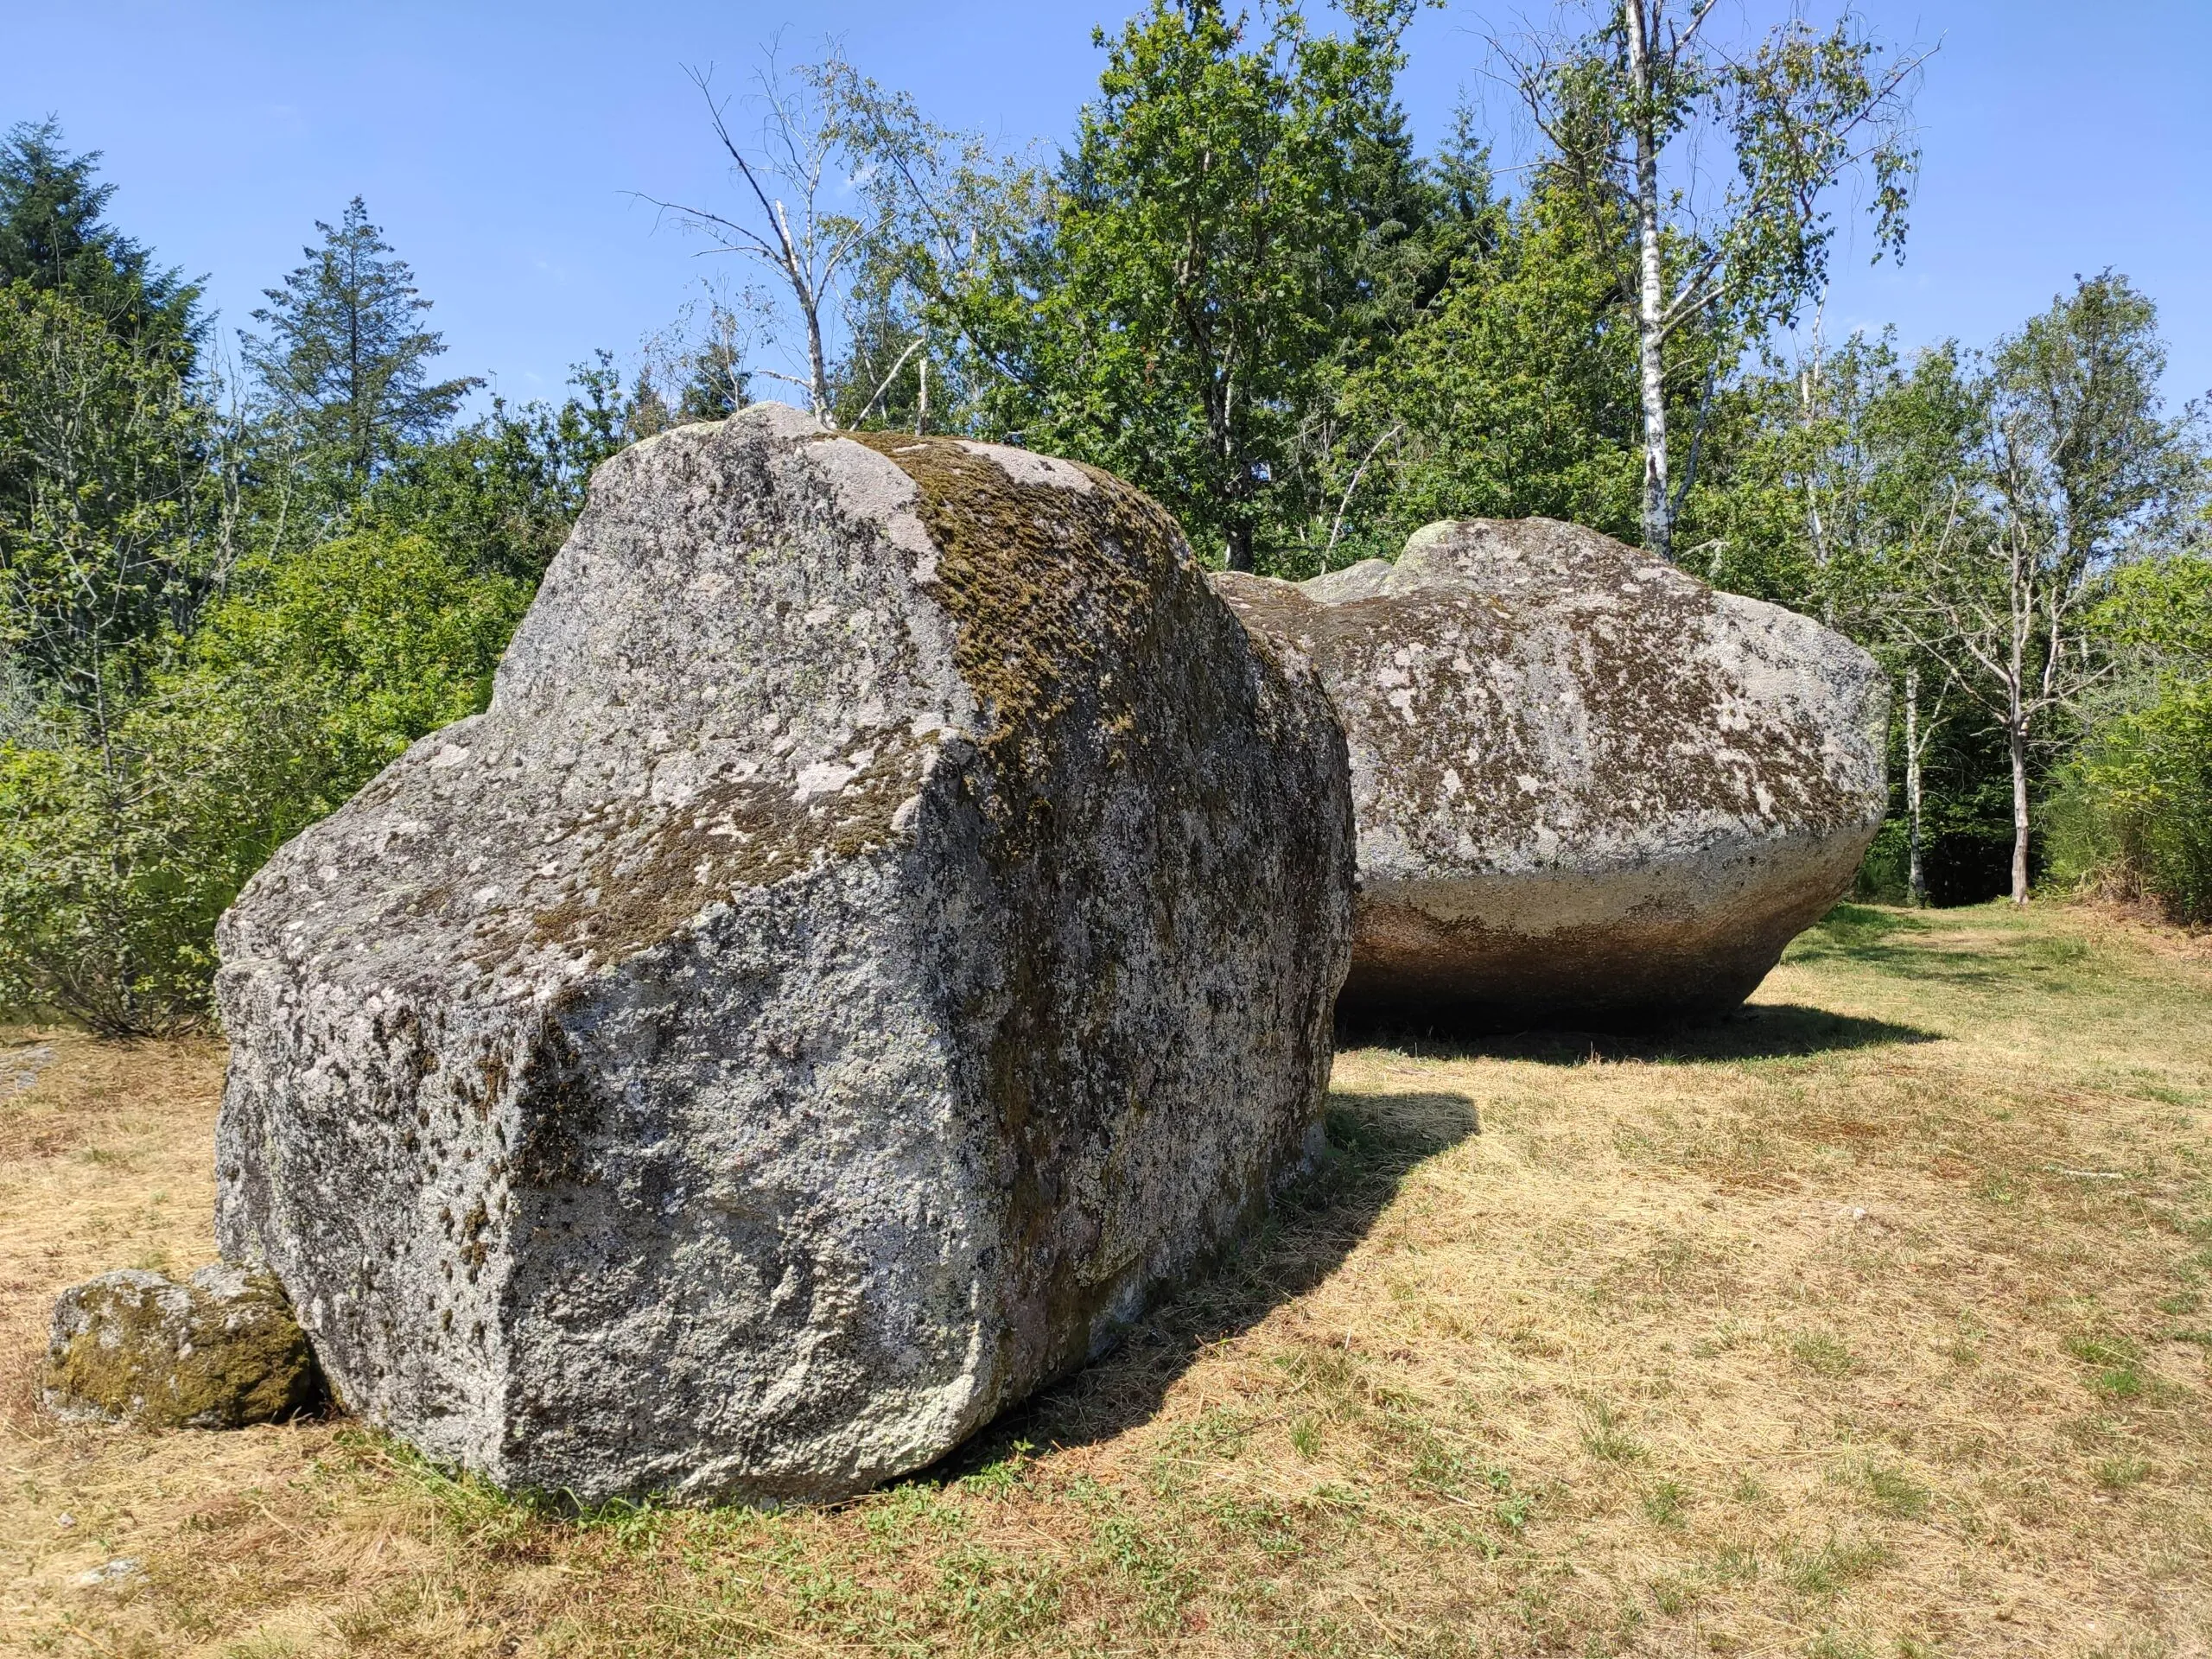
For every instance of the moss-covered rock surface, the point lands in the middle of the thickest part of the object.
(881, 933)
(1589, 788)
(220, 1350)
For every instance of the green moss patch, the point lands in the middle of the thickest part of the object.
(180, 1357)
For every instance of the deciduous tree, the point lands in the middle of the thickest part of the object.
(2082, 471)
(1637, 109)
(1190, 294)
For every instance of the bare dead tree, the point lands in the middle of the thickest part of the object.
(787, 172)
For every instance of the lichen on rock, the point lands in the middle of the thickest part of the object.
(220, 1350)
(858, 959)
(1589, 788)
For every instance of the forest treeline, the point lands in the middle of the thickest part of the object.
(240, 571)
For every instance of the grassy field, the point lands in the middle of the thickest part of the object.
(1874, 1320)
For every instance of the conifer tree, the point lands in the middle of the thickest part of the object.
(54, 237)
(346, 358)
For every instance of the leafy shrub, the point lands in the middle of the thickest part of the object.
(2133, 813)
(2134, 817)
(120, 846)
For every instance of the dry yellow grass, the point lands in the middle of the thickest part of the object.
(1871, 1321)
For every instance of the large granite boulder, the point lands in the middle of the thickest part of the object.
(859, 957)
(220, 1350)
(1589, 789)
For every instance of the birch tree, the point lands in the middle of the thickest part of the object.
(2081, 472)
(792, 172)
(1712, 170)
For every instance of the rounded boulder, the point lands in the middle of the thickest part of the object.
(1589, 788)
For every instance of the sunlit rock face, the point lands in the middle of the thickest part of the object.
(860, 956)
(1589, 789)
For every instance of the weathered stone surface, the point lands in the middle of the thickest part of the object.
(220, 1350)
(860, 956)
(1588, 788)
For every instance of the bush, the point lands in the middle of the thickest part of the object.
(120, 848)
(106, 911)
(2134, 815)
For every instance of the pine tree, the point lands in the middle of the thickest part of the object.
(52, 237)
(716, 390)
(648, 415)
(345, 356)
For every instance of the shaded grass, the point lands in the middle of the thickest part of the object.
(1870, 1322)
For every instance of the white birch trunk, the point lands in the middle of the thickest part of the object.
(1650, 294)
(1915, 876)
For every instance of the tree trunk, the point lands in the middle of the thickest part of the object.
(2021, 580)
(1916, 877)
(1239, 551)
(817, 363)
(1650, 295)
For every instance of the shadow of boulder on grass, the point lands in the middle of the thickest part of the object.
(1374, 1141)
(1757, 1031)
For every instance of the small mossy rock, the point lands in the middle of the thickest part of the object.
(860, 956)
(220, 1350)
(1589, 789)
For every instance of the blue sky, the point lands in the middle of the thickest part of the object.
(497, 143)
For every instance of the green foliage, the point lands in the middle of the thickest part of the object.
(104, 493)
(2132, 814)
(1241, 289)
(1509, 394)
(1178, 319)
(381, 637)
(211, 634)
(2163, 608)
(53, 237)
(1608, 1440)
(501, 492)
(1852, 469)
(120, 845)
(2086, 459)
(1822, 1354)
(1961, 516)
(106, 910)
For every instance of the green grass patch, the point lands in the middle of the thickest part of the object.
(1822, 1354)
